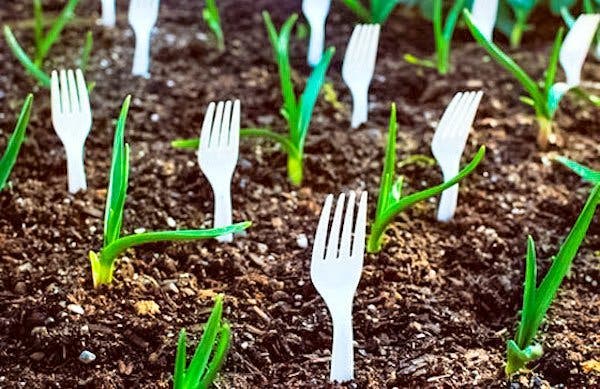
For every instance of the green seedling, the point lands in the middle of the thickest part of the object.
(377, 12)
(44, 42)
(14, 142)
(114, 244)
(443, 33)
(391, 202)
(537, 299)
(296, 111)
(202, 370)
(544, 98)
(512, 19)
(586, 174)
(211, 17)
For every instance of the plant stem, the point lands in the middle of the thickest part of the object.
(546, 134)
(518, 29)
(294, 167)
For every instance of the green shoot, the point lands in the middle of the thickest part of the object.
(545, 98)
(296, 111)
(114, 245)
(537, 299)
(202, 370)
(391, 202)
(44, 42)
(587, 174)
(14, 143)
(443, 37)
(211, 17)
(86, 51)
(513, 16)
(378, 11)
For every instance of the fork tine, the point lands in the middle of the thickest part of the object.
(346, 240)
(216, 126)
(64, 93)
(469, 115)
(362, 44)
(55, 94)
(234, 134)
(352, 43)
(373, 45)
(225, 125)
(334, 233)
(448, 113)
(358, 247)
(318, 253)
(73, 91)
(84, 99)
(458, 123)
(207, 126)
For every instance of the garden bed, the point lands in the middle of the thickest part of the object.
(434, 308)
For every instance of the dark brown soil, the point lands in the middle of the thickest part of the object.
(434, 309)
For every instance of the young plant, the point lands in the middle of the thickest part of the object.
(443, 33)
(378, 11)
(545, 98)
(390, 202)
(587, 174)
(114, 244)
(296, 111)
(537, 299)
(202, 370)
(44, 42)
(211, 17)
(512, 19)
(14, 142)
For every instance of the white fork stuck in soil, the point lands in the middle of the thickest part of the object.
(72, 121)
(109, 13)
(575, 47)
(142, 18)
(218, 154)
(484, 13)
(358, 68)
(335, 273)
(449, 143)
(315, 12)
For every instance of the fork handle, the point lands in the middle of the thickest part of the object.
(447, 205)
(223, 216)
(109, 15)
(141, 56)
(360, 110)
(76, 171)
(316, 43)
(342, 351)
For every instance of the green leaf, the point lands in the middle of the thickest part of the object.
(381, 222)
(119, 177)
(522, 5)
(389, 166)
(180, 357)
(211, 17)
(411, 59)
(219, 356)
(584, 172)
(308, 99)
(517, 358)
(529, 84)
(38, 24)
(553, 63)
(529, 294)
(14, 143)
(360, 10)
(199, 362)
(55, 30)
(29, 66)
(86, 51)
(396, 192)
(557, 5)
(381, 10)
(280, 43)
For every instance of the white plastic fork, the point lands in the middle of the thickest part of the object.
(218, 154)
(335, 273)
(109, 13)
(358, 68)
(142, 18)
(72, 121)
(315, 12)
(576, 45)
(449, 143)
(484, 14)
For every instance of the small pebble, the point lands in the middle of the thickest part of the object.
(302, 241)
(171, 222)
(154, 117)
(37, 356)
(76, 309)
(87, 357)
(262, 248)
